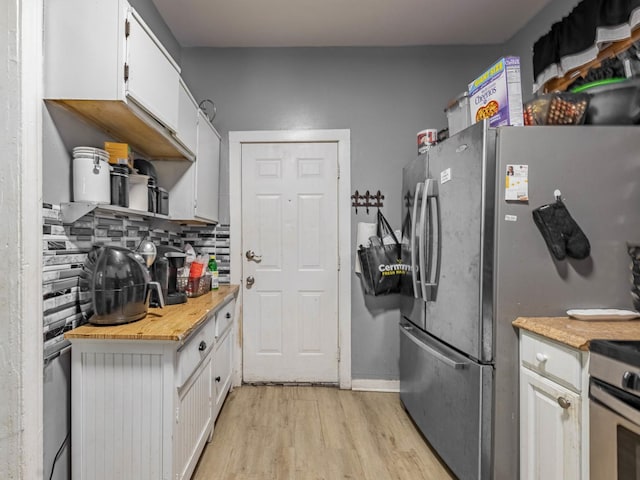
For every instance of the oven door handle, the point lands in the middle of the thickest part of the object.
(611, 400)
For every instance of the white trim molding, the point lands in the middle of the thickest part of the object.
(343, 140)
(368, 385)
(21, 445)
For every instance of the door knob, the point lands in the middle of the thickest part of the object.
(251, 255)
(564, 403)
(250, 281)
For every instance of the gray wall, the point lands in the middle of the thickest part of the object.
(383, 95)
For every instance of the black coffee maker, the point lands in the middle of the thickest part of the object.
(165, 271)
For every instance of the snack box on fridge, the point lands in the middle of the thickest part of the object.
(497, 94)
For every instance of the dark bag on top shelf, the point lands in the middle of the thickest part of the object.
(381, 263)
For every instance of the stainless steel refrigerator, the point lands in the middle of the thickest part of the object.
(479, 262)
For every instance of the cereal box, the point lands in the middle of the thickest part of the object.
(497, 94)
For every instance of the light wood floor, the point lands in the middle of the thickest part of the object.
(300, 433)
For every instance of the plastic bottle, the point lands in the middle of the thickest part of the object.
(213, 268)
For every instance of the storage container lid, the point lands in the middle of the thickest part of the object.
(90, 152)
(120, 170)
(459, 100)
(139, 178)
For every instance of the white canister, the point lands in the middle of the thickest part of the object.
(91, 179)
(138, 192)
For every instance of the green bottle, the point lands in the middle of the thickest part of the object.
(213, 268)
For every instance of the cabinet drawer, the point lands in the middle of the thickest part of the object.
(224, 318)
(552, 360)
(194, 350)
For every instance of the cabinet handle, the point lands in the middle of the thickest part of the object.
(203, 346)
(228, 315)
(217, 378)
(541, 357)
(564, 403)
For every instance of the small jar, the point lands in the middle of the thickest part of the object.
(120, 185)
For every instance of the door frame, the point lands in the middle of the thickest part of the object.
(21, 445)
(343, 140)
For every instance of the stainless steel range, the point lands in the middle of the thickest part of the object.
(614, 410)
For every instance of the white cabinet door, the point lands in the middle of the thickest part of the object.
(153, 79)
(207, 171)
(193, 188)
(193, 419)
(187, 133)
(549, 429)
(84, 49)
(223, 361)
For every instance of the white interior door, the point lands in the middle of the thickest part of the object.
(290, 223)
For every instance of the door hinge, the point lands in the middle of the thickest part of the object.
(126, 72)
(338, 171)
(339, 263)
(177, 414)
(127, 28)
(338, 354)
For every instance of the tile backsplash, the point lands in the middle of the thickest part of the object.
(65, 248)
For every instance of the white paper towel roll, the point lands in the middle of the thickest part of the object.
(364, 231)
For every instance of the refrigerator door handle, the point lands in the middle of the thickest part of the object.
(414, 218)
(430, 283)
(431, 350)
(424, 238)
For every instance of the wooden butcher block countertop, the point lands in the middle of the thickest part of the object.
(172, 323)
(578, 333)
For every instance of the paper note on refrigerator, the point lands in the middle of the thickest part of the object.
(517, 183)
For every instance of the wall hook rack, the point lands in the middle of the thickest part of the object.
(367, 200)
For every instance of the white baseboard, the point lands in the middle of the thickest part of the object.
(369, 385)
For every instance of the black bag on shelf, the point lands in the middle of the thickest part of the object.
(382, 266)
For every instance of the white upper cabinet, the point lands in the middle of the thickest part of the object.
(187, 133)
(193, 187)
(152, 78)
(207, 171)
(104, 63)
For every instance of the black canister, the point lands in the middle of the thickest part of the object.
(153, 195)
(163, 201)
(120, 185)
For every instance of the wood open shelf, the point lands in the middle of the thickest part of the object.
(73, 211)
(128, 123)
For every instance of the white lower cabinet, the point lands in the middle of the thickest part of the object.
(553, 410)
(193, 419)
(145, 409)
(222, 371)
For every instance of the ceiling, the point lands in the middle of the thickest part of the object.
(325, 23)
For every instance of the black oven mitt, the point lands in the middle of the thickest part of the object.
(560, 231)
